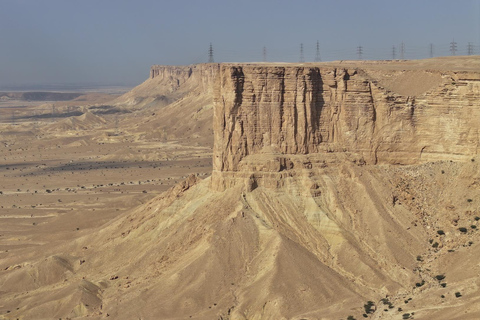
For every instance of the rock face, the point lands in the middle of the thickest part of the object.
(179, 98)
(295, 109)
(175, 77)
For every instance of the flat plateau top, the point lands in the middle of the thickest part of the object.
(458, 63)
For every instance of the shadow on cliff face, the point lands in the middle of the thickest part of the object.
(318, 102)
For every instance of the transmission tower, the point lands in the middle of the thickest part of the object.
(402, 50)
(394, 52)
(431, 50)
(317, 54)
(302, 57)
(264, 54)
(210, 54)
(470, 49)
(360, 52)
(453, 47)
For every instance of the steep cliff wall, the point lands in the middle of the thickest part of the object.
(295, 109)
(167, 84)
(178, 101)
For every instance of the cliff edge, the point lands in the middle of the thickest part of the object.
(309, 109)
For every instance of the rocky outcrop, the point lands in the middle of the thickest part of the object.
(306, 109)
(176, 77)
(168, 84)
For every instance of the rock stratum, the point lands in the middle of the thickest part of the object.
(309, 109)
(339, 190)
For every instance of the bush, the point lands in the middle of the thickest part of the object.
(473, 226)
(435, 245)
(458, 294)
(351, 318)
(477, 218)
(419, 284)
(369, 307)
(419, 258)
(440, 277)
(441, 232)
(462, 229)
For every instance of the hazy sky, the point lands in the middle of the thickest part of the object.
(115, 41)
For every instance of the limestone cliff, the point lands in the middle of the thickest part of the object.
(168, 84)
(178, 102)
(309, 109)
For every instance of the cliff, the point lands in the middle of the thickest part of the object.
(309, 109)
(176, 103)
(167, 84)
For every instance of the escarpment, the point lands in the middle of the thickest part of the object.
(339, 190)
(287, 110)
(168, 84)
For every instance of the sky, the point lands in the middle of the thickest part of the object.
(114, 42)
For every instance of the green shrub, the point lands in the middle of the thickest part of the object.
(462, 229)
(419, 284)
(441, 232)
(440, 277)
(458, 294)
(369, 307)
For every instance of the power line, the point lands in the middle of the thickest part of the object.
(210, 54)
(453, 47)
(264, 54)
(347, 52)
(302, 57)
(470, 49)
(317, 54)
(402, 50)
(360, 52)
